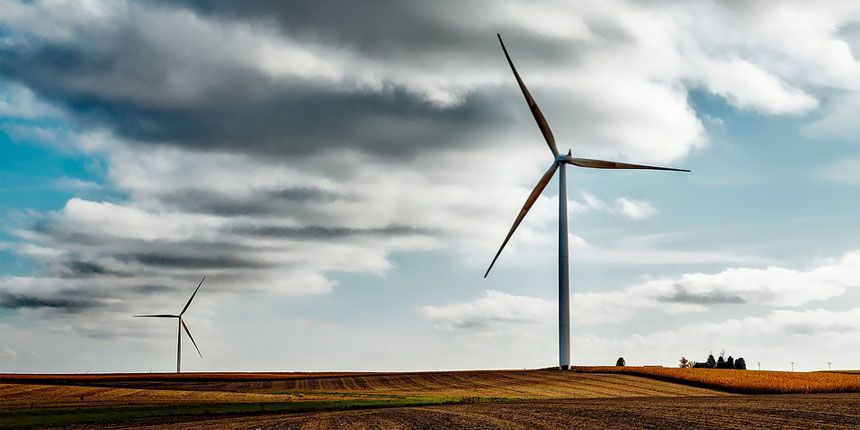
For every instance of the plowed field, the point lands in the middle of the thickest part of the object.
(789, 412)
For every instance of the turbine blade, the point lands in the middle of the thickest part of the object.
(188, 332)
(601, 164)
(155, 316)
(541, 121)
(529, 202)
(192, 296)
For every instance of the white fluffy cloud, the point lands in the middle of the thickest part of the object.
(749, 87)
(693, 292)
(495, 308)
(635, 209)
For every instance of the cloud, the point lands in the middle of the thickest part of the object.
(748, 87)
(493, 309)
(8, 353)
(838, 121)
(284, 89)
(693, 292)
(842, 171)
(635, 209)
(16, 301)
(19, 102)
(625, 206)
(272, 145)
(771, 286)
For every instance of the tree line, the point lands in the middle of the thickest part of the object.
(719, 363)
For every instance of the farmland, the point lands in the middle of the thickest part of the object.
(788, 412)
(746, 381)
(477, 397)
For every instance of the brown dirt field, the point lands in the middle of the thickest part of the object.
(17, 397)
(813, 411)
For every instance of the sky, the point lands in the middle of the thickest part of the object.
(342, 173)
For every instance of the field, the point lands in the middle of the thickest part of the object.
(786, 412)
(747, 381)
(485, 399)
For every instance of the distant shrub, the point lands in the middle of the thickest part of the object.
(730, 363)
(620, 362)
(721, 362)
(684, 364)
(740, 364)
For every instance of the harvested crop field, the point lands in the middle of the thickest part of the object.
(485, 399)
(819, 411)
(17, 397)
(518, 384)
(746, 381)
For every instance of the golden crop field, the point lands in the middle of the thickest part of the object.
(15, 397)
(535, 384)
(60, 391)
(139, 377)
(746, 381)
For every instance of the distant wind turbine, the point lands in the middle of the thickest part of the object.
(558, 164)
(180, 325)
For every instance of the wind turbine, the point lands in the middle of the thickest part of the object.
(180, 325)
(558, 164)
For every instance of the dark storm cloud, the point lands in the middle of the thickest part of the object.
(280, 202)
(82, 269)
(322, 233)
(415, 30)
(812, 328)
(118, 75)
(241, 110)
(186, 261)
(682, 295)
(63, 301)
(149, 289)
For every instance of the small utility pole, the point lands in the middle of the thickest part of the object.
(759, 365)
(828, 366)
(792, 366)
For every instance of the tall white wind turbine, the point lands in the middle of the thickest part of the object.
(559, 163)
(180, 325)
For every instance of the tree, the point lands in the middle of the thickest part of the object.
(684, 363)
(730, 363)
(740, 364)
(711, 362)
(621, 362)
(721, 363)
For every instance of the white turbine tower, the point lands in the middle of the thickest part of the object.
(559, 163)
(180, 325)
